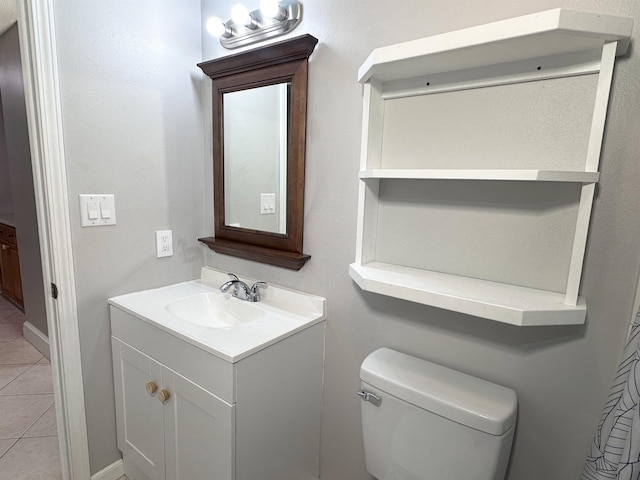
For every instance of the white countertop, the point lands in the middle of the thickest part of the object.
(285, 313)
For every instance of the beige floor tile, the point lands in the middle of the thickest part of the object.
(19, 352)
(7, 312)
(8, 373)
(19, 412)
(45, 426)
(11, 317)
(44, 361)
(5, 444)
(37, 379)
(10, 331)
(6, 304)
(31, 459)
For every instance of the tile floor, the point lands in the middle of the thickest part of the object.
(28, 435)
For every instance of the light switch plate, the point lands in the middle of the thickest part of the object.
(97, 209)
(267, 203)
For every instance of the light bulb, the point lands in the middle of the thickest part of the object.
(240, 15)
(270, 8)
(215, 27)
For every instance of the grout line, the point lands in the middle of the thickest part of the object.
(15, 440)
(31, 426)
(24, 394)
(19, 375)
(39, 436)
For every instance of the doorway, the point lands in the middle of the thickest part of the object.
(38, 55)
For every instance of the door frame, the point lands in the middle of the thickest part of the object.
(44, 118)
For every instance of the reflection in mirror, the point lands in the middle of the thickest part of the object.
(255, 157)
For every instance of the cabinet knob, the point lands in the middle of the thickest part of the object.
(151, 388)
(163, 395)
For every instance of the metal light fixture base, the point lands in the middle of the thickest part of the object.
(267, 27)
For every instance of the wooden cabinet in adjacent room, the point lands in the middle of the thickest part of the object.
(10, 265)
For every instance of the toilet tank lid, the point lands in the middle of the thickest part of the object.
(457, 396)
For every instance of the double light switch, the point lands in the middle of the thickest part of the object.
(97, 210)
(267, 203)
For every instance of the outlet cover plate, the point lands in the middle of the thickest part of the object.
(164, 243)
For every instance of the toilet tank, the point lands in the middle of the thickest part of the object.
(433, 423)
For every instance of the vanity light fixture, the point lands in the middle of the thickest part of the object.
(272, 19)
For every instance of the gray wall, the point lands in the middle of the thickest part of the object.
(561, 374)
(21, 179)
(6, 204)
(131, 113)
(7, 18)
(132, 127)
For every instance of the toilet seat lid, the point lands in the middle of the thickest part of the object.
(457, 396)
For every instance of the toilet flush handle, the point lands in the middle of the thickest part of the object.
(370, 397)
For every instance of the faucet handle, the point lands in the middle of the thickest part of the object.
(255, 290)
(233, 281)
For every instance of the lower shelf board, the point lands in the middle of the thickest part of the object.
(501, 302)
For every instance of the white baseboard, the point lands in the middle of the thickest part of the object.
(36, 338)
(112, 472)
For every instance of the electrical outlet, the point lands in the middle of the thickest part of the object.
(164, 243)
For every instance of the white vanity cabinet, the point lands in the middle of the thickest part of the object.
(167, 424)
(185, 413)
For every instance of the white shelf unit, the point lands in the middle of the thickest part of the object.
(409, 90)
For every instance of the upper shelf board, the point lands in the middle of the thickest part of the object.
(487, 174)
(537, 35)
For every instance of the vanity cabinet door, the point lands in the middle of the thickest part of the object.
(199, 431)
(7, 269)
(14, 265)
(10, 265)
(139, 413)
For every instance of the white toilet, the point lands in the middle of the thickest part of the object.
(422, 421)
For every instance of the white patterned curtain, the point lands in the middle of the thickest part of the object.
(615, 452)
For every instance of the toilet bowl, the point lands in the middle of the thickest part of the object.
(423, 421)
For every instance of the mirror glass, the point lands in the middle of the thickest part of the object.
(255, 157)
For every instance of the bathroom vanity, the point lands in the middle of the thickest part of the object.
(212, 387)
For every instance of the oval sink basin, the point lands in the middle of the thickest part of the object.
(214, 310)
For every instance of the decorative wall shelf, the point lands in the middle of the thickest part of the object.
(553, 73)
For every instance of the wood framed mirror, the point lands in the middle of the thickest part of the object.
(259, 137)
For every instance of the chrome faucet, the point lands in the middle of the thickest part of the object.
(241, 290)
